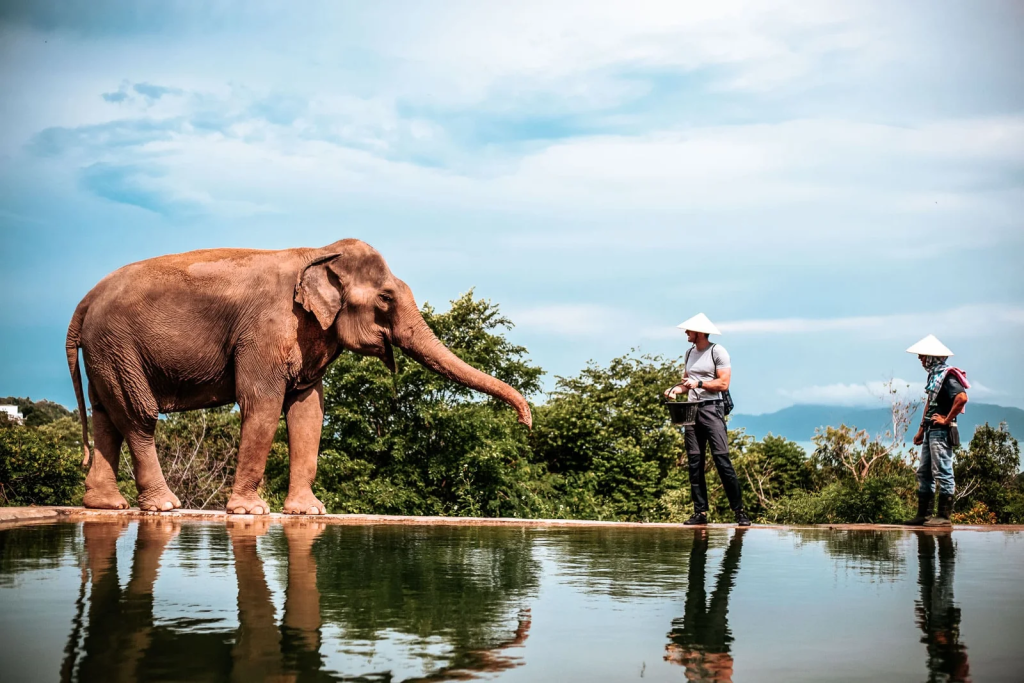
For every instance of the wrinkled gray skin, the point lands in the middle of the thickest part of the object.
(257, 328)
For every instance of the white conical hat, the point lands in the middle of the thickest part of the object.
(930, 346)
(699, 323)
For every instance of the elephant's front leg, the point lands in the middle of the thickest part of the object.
(304, 413)
(260, 415)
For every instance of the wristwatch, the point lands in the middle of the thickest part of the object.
(700, 384)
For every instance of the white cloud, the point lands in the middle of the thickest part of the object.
(569, 320)
(870, 394)
(955, 322)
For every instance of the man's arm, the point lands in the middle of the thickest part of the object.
(671, 391)
(959, 401)
(721, 382)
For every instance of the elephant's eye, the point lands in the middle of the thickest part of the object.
(386, 299)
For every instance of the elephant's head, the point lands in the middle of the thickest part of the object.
(349, 288)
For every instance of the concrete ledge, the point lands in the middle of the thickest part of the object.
(19, 515)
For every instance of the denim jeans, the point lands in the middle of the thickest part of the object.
(936, 462)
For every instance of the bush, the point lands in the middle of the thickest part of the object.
(417, 443)
(42, 465)
(602, 448)
(986, 473)
(978, 514)
(606, 432)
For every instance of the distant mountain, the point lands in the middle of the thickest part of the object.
(798, 423)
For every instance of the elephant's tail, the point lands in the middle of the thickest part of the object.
(72, 345)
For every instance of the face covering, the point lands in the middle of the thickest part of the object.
(936, 367)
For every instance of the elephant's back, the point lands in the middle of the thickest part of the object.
(182, 298)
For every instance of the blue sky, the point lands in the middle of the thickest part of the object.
(828, 182)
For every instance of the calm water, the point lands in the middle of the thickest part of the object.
(163, 600)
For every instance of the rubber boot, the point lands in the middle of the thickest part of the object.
(945, 510)
(924, 509)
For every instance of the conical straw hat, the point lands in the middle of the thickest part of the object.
(930, 346)
(699, 323)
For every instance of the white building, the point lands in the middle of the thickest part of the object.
(13, 414)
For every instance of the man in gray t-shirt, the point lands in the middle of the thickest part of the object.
(707, 374)
(704, 366)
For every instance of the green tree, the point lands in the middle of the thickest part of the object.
(607, 434)
(986, 473)
(418, 443)
(771, 469)
(41, 465)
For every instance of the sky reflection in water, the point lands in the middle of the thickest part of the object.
(159, 599)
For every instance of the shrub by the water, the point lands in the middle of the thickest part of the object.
(986, 474)
(417, 443)
(41, 465)
(606, 434)
(602, 447)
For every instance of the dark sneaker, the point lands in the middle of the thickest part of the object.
(742, 519)
(698, 519)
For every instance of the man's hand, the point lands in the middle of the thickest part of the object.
(939, 421)
(674, 391)
(919, 437)
(690, 383)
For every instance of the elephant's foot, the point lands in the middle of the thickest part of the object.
(158, 499)
(247, 505)
(104, 498)
(303, 503)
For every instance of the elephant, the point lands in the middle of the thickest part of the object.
(257, 328)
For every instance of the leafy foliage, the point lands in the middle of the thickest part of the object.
(417, 443)
(607, 434)
(41, 465)
(602, 448)
(986, 475)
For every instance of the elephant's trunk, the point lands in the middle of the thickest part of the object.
(420, 342)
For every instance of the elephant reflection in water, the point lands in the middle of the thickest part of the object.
(937, 615)
(262, 650)
(120, 622)
(122, 643)
(701, 640)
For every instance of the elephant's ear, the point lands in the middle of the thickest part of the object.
(316, 292)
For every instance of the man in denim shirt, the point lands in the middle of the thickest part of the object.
(938, 436)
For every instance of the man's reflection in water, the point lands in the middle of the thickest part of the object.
(937, 614)
(701, 639)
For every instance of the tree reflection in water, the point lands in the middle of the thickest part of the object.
(701, 640)
(114, 636)
(937, 614)
(463, 584)
(877, 555)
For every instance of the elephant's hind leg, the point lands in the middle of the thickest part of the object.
(101, 483)
(304, 414)
(154, 494)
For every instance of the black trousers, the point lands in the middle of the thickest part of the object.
(710, 429)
